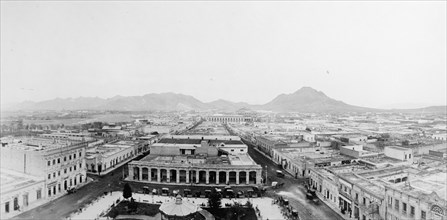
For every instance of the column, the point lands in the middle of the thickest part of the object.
(168, 175)
(217, 177)
(149, 174)
(258, 177)
(178, 176)
(247, 177)
(130, 170)
(197, 176)
(187, 176)
(140, 172)
(158, 175)
(228, 177)
(237, 178)
(207, 179)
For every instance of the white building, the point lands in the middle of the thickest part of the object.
(105, 158)
(19, 192)
(400, 153)
(59, 162)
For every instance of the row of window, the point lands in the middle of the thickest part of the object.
(65, 159)
(404, 208)
(25, 201)
(52, 190)
(65, 171)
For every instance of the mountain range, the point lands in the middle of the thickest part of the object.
(305, 99)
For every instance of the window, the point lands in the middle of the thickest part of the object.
(404, 208)
(423, 215)
(409, 155)
(364, 201)
(54, 175)
(65, 170)
(356, 197)
(80, 165)
(65, 159)
(7, 207)
(49, 191)
(80, 154)
(16, 203)
(49, 176)
(70, 169)
(54, 161)
(59, 173)
(39, 193)
(396, 205)
(49, 163)
(58, 160)
(411, 210)
(74, 167)
(74, 156)
(69, 157)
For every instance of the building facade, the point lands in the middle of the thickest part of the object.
(60, 163)
(194, 161)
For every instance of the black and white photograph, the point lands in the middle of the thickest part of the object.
(223, 110)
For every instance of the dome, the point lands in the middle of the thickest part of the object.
(178, 207)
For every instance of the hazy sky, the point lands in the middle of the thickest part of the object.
(377, 53)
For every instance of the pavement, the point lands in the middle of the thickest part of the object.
(103, 205)
(293, 189)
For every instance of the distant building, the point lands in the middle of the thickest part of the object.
(229, 118)
(441, 137)
(400, 153)
(357, 151)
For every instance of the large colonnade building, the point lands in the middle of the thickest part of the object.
(195, 160)
(228, 118)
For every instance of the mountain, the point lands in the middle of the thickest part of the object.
(308, 99)
(227, 105)
(429, 110)
(157, 102)
(305, 99)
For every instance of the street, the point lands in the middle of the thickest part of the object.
(63, 206)
(293, 189)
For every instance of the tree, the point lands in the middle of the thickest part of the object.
(214, 201)
(236, 211)
(127, 191)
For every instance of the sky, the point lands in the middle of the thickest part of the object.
(368, 53)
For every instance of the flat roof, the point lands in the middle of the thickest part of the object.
(398, 148)
(198, 141)
(38, 143)
(371, 186)
(425, 185)
(11, 180)
(198, 160)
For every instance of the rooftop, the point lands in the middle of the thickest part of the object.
(12, 180)
(425, 185)
(38, 143)
(194, 160)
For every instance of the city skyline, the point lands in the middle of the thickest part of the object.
(369, 54)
